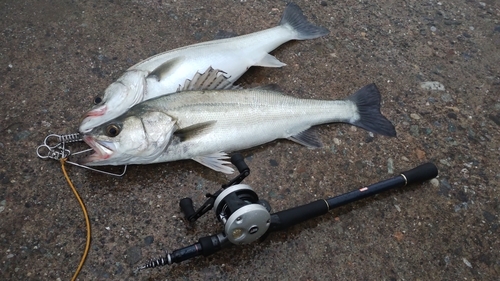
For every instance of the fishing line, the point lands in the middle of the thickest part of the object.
(85, 214)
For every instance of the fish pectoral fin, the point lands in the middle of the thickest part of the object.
(215, 162)
(192, 131)
(164, 68)
(308, 138)
(211, 79)
(269, 61)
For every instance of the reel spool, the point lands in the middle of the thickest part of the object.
(244, 216)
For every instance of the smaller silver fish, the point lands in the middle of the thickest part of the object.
(205, 125)
(163, 73)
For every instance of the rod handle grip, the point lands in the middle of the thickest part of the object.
(420, 173)
(287, 218)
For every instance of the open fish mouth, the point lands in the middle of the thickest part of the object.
(89, 117)
(97, 112)
(102, 150)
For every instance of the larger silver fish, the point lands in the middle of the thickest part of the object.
(205, 125)
(163, 73)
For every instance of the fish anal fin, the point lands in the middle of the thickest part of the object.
(192, 131)
(165, 68)
(269, 61)
(215, 162)
(308, 138)
(211, 79)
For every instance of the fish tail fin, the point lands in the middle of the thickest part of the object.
(295, 19)
(367, 100)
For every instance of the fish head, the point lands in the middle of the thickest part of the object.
(121, 95)
(129, 139)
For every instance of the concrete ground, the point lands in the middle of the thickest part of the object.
(56, 56)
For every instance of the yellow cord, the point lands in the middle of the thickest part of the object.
(86, 215)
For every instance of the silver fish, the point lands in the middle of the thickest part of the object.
(205, 125)
(163, 73)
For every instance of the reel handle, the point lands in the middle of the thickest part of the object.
(239, 162)
(186, 204)
(187, 207)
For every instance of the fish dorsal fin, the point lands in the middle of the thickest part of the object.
(192, 131)
(270, 87)
(211, 79)
(215, 162)
(165, 68)
(308, 138)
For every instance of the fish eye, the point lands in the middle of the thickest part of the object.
(97, 100)
(112, 130)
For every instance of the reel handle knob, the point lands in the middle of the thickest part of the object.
(187, 208)
(238, 161)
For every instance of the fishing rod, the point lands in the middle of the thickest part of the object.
(247, 218)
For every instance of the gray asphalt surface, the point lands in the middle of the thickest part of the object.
(56, 56)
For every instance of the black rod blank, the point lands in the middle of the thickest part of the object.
(287, 218)
(421, 173)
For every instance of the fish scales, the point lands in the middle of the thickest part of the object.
(245, 118)
(250, 106)
(205, 125)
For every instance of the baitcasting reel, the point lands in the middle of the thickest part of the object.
(246, 218)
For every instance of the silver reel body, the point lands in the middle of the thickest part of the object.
(244, 217)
